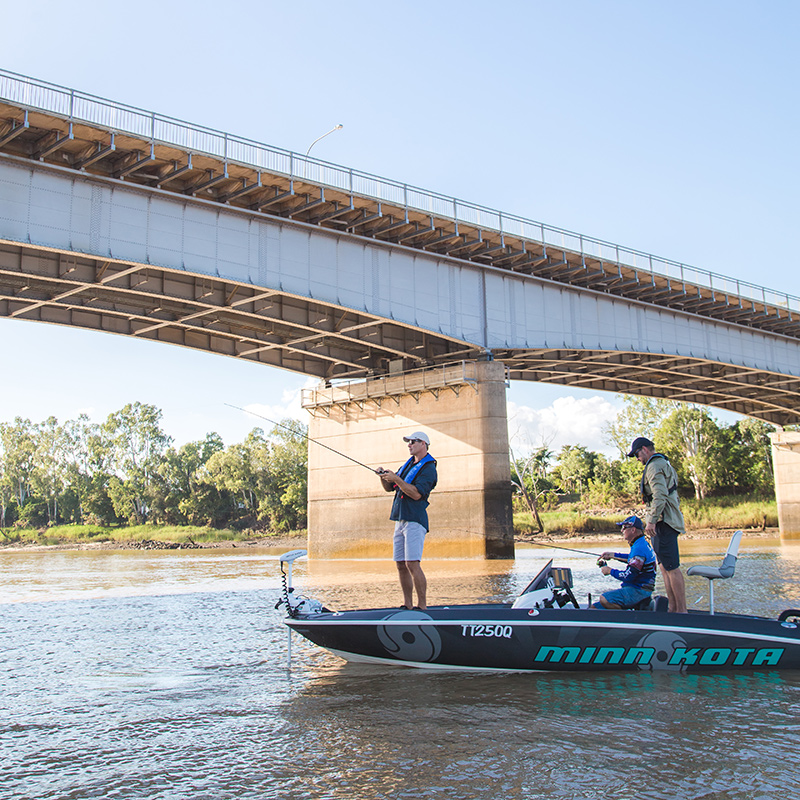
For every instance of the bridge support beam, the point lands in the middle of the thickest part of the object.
(786, 464)
(462, 408)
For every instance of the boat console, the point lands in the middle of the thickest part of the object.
(551, 588)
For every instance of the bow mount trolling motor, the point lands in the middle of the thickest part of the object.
(296, 604)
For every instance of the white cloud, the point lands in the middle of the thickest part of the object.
(567, 420)
(288, 408)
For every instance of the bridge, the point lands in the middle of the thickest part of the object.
(120, 220)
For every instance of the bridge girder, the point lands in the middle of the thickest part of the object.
(205, 313)
(332, 343)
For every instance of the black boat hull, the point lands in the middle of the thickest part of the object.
(499, 637)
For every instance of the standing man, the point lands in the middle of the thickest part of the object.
(663, 516)
(411, 486)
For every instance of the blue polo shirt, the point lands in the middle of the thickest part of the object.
(408, 510)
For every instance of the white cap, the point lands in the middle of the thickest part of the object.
(423, 437)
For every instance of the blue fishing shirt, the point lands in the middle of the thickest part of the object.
(423, 480)
(642, 577)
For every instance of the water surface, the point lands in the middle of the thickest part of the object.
(163, 674)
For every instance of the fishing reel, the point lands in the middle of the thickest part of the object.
(601, 562)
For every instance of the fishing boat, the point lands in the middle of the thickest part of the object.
(546, 628)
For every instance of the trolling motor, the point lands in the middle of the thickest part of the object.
(295, 604)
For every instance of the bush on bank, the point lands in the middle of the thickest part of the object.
(721, 513)
(724, 513)
(122, 534)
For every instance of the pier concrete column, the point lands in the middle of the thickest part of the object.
(462, 408)
(786, 465)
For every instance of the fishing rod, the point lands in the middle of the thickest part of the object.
(360, 464)
(296, 432)
(538, 544)
(557, 547)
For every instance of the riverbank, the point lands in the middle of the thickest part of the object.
(588, 538)
(298, 540)
(288, 541)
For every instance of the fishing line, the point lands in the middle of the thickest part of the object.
(296, 432)
(570, 549)
(349, 458)
(530, 541)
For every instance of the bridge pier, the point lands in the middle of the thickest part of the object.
(462, 408)
(786, 465)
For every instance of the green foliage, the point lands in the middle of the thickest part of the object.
(601, 494)
(640, 416)
(565, 522)
(722, 513)
(34, 514)
(183, 495)
(575, 466)
(730, 513)
(268, 477)
(124, 471)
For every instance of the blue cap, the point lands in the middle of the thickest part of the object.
(631, 521)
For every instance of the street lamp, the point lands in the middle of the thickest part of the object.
(335, 128)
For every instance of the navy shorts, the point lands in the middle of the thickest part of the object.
(665, 544)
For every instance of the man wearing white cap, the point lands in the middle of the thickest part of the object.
(411, 485)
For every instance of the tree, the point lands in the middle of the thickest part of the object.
(691, 436)
(136, 444)
(234, 470)
(575, 466)
(529, 478)
(18, 446)
(747, 452)
(284, 495)
(640, 416)
(185, 496)
(49, 472)
(84, 459)
(268, 476)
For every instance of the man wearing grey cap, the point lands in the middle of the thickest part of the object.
(663, 517)
(411, 485)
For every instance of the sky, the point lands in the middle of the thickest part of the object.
(671, 128)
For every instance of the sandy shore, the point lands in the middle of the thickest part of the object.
(288, 542)
(705, 533)
(299, 541)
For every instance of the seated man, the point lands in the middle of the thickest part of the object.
(638, 579)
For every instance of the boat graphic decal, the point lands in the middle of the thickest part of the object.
(553, 654)
(679, 658)
(404, 637)
(719, 656)
(665, 643)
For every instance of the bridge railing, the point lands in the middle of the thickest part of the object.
(413, 382)
(117, 117)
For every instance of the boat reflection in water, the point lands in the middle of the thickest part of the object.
(546, 628)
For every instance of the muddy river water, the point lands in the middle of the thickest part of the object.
(163, 675)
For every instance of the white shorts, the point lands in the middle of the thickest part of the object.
(408, 540)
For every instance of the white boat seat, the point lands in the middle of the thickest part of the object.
(724, 570)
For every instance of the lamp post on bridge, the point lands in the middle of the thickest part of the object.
(332, 130)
